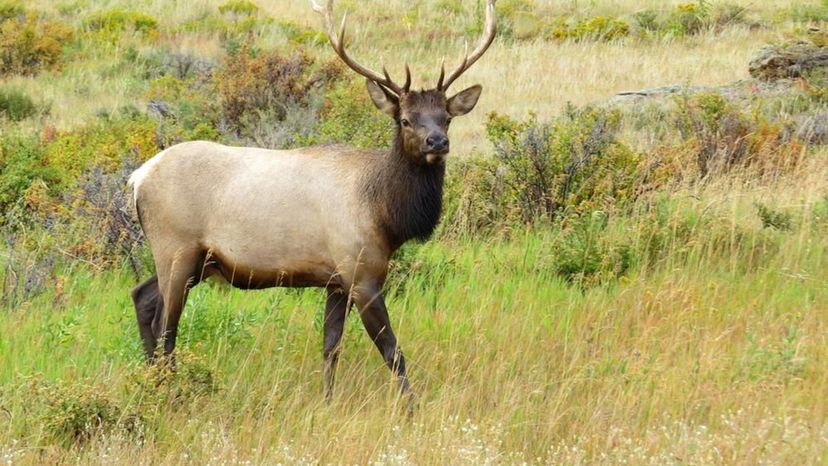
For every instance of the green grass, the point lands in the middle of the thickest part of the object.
(684, 325)
(706, 353)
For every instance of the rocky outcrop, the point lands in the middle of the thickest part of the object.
(792, 60)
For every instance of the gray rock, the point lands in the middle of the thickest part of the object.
(788, 61)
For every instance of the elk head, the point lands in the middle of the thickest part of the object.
(422, 117)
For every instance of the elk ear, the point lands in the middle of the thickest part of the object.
(384, 100)
(464, 101)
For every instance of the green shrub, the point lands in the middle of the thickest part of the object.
(810, 13)
(162, 62)
(103, 143)
(574, 163)
(202, 132)
(773, 218)
(28, 45)
(10, 9)
(185, 108)
(23, 165)
(725, 14)
(239, 7)
(586, 255)
(596, 28)
(647, 20)
(720, 137)
(268, 82)
(689, 18)
(301, 35)
(115, 20)
(473, 199)
(75, 414)
(451, 7)
(184, 380)
(348, 116)
(507, 13)
(526, 25)
(16, 105)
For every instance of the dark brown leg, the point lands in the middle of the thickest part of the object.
(148, 303)
(336, 309)
(374, 316)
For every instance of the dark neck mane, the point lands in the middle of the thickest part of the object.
(406, 197)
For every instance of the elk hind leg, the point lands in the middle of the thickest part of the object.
(148, 303)
(336, 309)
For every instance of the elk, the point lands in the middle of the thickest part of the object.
(327, 216)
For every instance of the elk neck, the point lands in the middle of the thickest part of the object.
(406, 197)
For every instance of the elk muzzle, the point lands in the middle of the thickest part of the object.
(436, 147)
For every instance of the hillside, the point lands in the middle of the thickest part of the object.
(630, 266)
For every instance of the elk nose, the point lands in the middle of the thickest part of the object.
(437, 142)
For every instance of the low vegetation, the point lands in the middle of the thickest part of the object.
(618, 281)
(29, 44)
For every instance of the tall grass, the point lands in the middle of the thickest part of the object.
(541, 76)
(685, 325)
(710, 351)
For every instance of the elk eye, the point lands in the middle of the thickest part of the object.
(405, 123)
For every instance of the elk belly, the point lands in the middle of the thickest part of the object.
(247, 276)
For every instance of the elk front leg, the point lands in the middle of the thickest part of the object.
(336, 309)
(374, 316)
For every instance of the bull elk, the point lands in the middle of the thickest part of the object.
(327, 216)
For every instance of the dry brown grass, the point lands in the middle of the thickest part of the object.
(517, 76)
(709, 359)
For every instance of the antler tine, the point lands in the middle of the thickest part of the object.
(490, 31)
(407, 85)
(442, 76)
(338, 43)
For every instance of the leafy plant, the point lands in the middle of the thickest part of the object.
(116, 20)
(774, 218)
(574, 163)
(239, 7)
(349, 116)
(721, 137)
(10, 9)
(23, 165)
(586, 255)
(595, 28)
(173, 382)
(647, 20)
(76, 413)
(252, 84)
(28, 45)
(808, 12)
(689, 18)
(103, 143)
(16, 105)
(103, 207)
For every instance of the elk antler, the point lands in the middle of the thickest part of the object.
(338, 43)
(468, 60)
